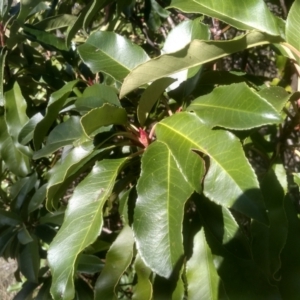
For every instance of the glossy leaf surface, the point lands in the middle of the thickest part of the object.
(162, 191)
(194, 54)
(111, 53)
(103, 116)
(292, 25)
(82, 224)
(235, 107)
(233, 14)
(230, 181)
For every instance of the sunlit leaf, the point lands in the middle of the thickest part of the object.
(235, 107)
(230, 181)
(292, 25)
(162, 192)
(111, 53)
(196, 53)
(246, 16)
(82, 224)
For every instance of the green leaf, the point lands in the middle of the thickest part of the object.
(180, 290)
(24, 236)
(26, 133)
(9, 218)
(89, 264)
(290, 268)
(143, 288)
(2, 64)
(235, 107)
(220, 223)
(29, 260)
(230, 181)
(77, 25)
(276, 96)
(63, 134)
(82, 225)
(103, 116)
(202, 278)
(95, 7)
(118, 259)
(162, 192)
(15, 114)
(15, 159)
(27, 186)
(251, 14)
(76, 159)
(95, 96)
(268, 242)
(292, 25)
(111, 53)
(196, 53)
(25, 9)
(181, 36)
(43, 37)
(56, 102)
(150, 96)
(37, 199)
(55, 22)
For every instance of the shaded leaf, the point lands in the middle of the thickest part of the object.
(95, 96)
(118, 259)
(89, 264)
(235, 107)
(26, 133)
(29, 260)
(150, 96)
(82, 224)
(194, 54)
(162, 192)
(56, 102)
(202, 277)
(290, 267)
(246, 16)
(63, 134)
(221, 224)
(55, 22)
(14, 159)
(37, 199)
(2, 64)
(143, 288)
(230, 181)
(268, 241)
(44, 38)
(103, 116)
(95, 7)
(111, 53)
(9, 218)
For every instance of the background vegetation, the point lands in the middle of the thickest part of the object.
(149, 149)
